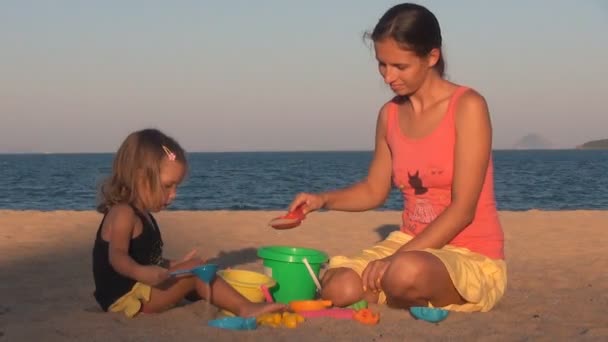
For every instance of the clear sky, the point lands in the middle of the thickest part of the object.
(77, 76)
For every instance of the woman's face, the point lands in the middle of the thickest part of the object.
(402, 69)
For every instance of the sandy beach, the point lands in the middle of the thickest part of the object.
(557, 260)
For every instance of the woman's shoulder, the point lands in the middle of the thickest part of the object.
(390, 105)
(383, 114)
(470, 103)
(470, 94)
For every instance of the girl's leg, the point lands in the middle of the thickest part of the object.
(174, 290)
(226, 297)
(222, 295)
(416, 278)
(169, 294)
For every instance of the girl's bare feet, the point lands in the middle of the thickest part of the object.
(256, 309)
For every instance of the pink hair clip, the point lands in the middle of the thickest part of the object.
(170, 154)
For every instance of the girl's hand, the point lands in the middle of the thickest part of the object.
(154, 275)
(192, 255)
(310, 202)
(373, 273)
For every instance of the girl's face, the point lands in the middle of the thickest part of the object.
(172, 173)
(401, 69)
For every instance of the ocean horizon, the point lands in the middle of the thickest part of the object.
(555, 179)
(8, 153)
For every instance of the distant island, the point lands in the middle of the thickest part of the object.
(533, 142)
(601, 144)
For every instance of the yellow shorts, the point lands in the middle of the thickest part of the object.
(481, 281)
(131, 302)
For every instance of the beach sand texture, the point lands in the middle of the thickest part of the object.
(557, 290)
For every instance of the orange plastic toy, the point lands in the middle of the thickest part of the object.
(309, 305)
(366, 316)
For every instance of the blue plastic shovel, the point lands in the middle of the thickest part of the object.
(433, 315)
(205, 272)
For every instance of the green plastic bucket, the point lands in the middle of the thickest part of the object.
(284, 264)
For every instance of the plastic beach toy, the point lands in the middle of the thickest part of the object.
(309, 305)
(205, 272)
(433, 315)
(286, 319)
(338, 313)
(286, 266)
(367, 316)
(247, 283)
(290, 220)
(266, 294)
(362, 304)
(234, 323)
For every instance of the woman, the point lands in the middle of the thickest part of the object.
(434, 142)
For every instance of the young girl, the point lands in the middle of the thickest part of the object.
(433, 142)
(130, 272)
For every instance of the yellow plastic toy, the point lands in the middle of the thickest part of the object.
(287, 319)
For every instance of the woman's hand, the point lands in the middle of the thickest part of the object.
(373, 273)
(310, 202)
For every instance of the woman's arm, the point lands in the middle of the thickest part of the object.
(471, 158)
(372, 191)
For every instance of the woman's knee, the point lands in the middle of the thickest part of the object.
(342, 286)
(404, 274)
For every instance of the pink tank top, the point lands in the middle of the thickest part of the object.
(423, 170)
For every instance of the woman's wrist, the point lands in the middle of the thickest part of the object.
(324, 200)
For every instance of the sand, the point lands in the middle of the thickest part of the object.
(558, 278)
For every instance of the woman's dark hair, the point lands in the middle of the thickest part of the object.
(413, 27)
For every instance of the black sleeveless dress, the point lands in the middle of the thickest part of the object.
(145, 249)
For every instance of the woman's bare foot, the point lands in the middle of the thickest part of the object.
(256, 309)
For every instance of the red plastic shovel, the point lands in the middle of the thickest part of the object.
(290, 220)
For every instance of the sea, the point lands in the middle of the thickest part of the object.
(524, 179)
